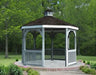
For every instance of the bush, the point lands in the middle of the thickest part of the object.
(84, 61)
(28, 69)
(93, 66)
(14, 70)
(88, 62)
(32, 72)
(88, 70)
(3, 70)
(17, 60)
(84, 69)
(81, 67)
(24, 69)
(93, 71)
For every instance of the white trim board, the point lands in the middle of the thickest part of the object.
(29, 27)
(72, 63)
(50, 26)
(74, 50)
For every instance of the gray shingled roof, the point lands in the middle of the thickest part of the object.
(47, 20)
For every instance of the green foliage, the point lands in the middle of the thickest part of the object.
(71, 40)
(10, 70)
(3, 70)
(15, 70)
(32, 72)
(58, 43)
(29, 41)
(25, 69)
(93, 65)
(88, 70)
(17, 59)
(81, 67)
(92, 71)
(15, 13)
(84, 61)
(88, 62)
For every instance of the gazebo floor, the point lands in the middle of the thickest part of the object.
(52, 65)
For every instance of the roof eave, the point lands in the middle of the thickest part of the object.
(61, 26)
(50, 26)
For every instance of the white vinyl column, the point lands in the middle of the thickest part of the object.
(70, 53)
(23, 45)
(66, 56)
(43, 46)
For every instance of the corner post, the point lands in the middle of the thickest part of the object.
(75, 40)
(43, 46)
(75, 43)
(23, 46)
(66, 56)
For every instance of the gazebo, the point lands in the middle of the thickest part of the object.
(49, 24)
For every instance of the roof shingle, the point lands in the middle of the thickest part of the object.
(47, 20)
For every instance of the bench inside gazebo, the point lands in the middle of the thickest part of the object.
(51, 26)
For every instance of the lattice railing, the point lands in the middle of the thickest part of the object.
(71, 56)
(33, 57)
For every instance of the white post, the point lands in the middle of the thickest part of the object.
(66, 61)
(75, 39)
(23, 46)
(24, 42)
(75, 43)
(43, 46)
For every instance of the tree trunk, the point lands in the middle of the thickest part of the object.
(78, 46)
(6, 42)
(6, 47)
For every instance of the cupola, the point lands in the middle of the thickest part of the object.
(48, 12)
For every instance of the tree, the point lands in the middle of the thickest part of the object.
(16, 13)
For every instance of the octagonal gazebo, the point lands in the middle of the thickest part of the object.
(50, 24)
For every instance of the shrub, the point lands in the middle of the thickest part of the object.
(81, 67)
(24, 69)
(3, 70)
(84, 61)
(17, 60)
(88, 70)
(88, 62)
(14, 70)
(93, 71)
(93, 66)
(32, 72)
(28, 69)
(84, 69)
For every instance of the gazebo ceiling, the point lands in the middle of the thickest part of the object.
(48, 20)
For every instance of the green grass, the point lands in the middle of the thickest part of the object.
(92, 59)
(8, 61)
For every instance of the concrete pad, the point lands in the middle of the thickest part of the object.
(55, 65)
(76, 72)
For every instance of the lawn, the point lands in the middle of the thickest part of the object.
(92, 59)
(12, 59)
